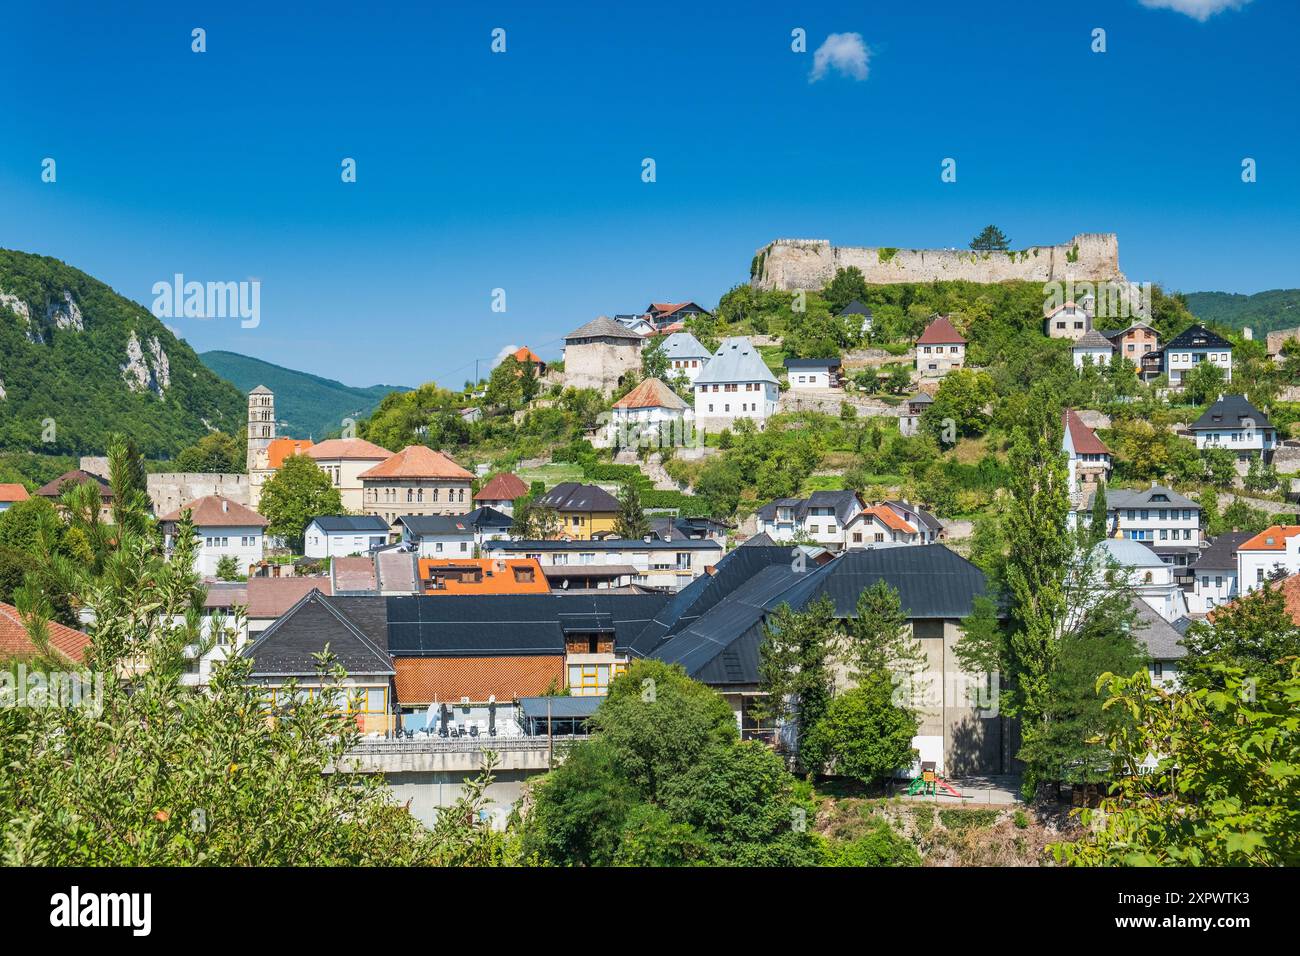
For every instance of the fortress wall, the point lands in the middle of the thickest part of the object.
(789, 264)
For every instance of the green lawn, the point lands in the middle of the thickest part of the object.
(552, 474)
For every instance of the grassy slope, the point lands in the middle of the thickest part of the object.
(308, 405)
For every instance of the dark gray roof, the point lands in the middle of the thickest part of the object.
(354, 629)
(1092, 339)
(1160, 638)
(606, 544)
(1197, 337)
(455, 625)
(717, 642)
(760, 540)
(920, 398)
(437, 524)
(1155, 496)
(1221, 554)
(574, 496)
(918, 515)
(855, 308)
(812, 363)
(602, 327)
(561, 708)
(488, 518)
(846, 504)
(354, 523)
(1228, 412)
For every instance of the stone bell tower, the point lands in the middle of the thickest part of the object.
(261, 424)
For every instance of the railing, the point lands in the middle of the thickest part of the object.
(425, 744)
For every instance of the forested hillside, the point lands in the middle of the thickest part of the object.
(308, 406)
(78, 361)
(1262, 312)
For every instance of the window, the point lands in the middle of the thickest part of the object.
(1159, 668)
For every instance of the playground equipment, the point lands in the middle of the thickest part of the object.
(929, 782)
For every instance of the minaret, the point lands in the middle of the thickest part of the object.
(261, 423)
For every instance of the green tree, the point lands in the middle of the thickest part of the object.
(228, 569)
(962, 399)
(296, 493)
(795, 667)
(1099, 521)
(654, 360)
(1255, 635)
(1226, 787)
(215, 452)
(847, 285)
(1203, 383)
(990, 239)
(1220, 466)
(863, 735)
(879, 639)
(631, 521)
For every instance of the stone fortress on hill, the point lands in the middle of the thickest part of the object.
(790, 264)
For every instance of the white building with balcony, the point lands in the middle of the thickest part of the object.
(1190, 348)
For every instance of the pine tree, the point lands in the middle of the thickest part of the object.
(990, 239)
(1099, 523)
(795, 665)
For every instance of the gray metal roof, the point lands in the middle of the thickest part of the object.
(1092, 339)
(812, 363)
(683, 345)
(1221, 554)
(354, 523)
(561, 708)
(574, 496)
(855, 308)
(353, 628)
(606, 544)
(1197, 337)
(846, 504)
(736, 360)
(604, 328)
(1156, 496)
(437, 524)
(1163, 642)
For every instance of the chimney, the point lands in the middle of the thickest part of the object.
(225, 506)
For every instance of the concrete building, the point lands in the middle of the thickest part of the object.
(344, 459)
(651, 415)
(1088, 459)
(1092, 347)
(1070, 320)
(1214, 576)
(600, 354)
(813, 373)
(1140, 344)
(339, 536)
(584, 511)
(940, 349)
(437, 536)
(225, 529)
(735, 384)
(914, 407)
(416, 481)
(501, 492)
(652, 561)
(1157, 516)
(1150, 577)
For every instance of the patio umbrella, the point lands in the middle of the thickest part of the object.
(442, 716)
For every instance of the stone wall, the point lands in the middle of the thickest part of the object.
(788, 264)
(599, 365)
(168, 490)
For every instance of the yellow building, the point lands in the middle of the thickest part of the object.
(585, 511)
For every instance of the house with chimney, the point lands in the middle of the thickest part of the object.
(1069, 320)
(686, 356)
(735, 384)
(940, 349)
(1088, 460)
(1273, 553)
(501, 492)
(1190, 348)
(1233, 423)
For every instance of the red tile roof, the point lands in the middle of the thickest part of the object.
(357, 448)
(503, 487)
(12, 492)
(418, 461)
(652, 393)
(15, 642)
(1290, 588)
(1271, 539)
(889, 518)
(54, 488)
(1085, 440)
(271, 597)
(282, 448)
(217, 511)
(422, 680)
(940, 332)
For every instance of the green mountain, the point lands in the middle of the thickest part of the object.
(78, 362)
(306, 406)
(1262, 312)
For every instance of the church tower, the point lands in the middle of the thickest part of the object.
(261, 423)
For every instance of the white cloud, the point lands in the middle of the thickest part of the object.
(1197, 9)
(844, 52)
(501, 356)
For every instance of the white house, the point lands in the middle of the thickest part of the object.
(1069, 320)
(686, 356)
(489, 524)
(337, 536)
(501, 493)
(940, 349)
(1235, 424)
(224, 528)
(653, 561)
(857, 311)
(1162, 641)
(652, 413)
(813, 373)
(1190, 348)
(1088, 460)
(1150, 577)
(11, 494)
(1274, 552)
(823, 517)
(219, 605)
(1092, 347)
(1158, 516)
(438, 536)
(1214, 576)
(735, 384)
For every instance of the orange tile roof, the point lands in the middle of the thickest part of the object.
(503, 487)
(218, 511)
(282, 448)
(497, 576)
(422, 680)
(652, 393)
(13, 492)
(348, 448)
(1084, 438)
(525, 354)
(65, 641)
(418, 461)
(889, 518)
(940, 332)
(1271, 539)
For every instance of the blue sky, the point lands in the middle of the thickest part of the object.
(522, 170)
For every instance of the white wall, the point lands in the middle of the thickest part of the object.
(809, 377)
(447, 545)
(245, 544)
(1180, 362)
(1212, 588)
(1254, 567)
(758, 404)
(340, 544)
